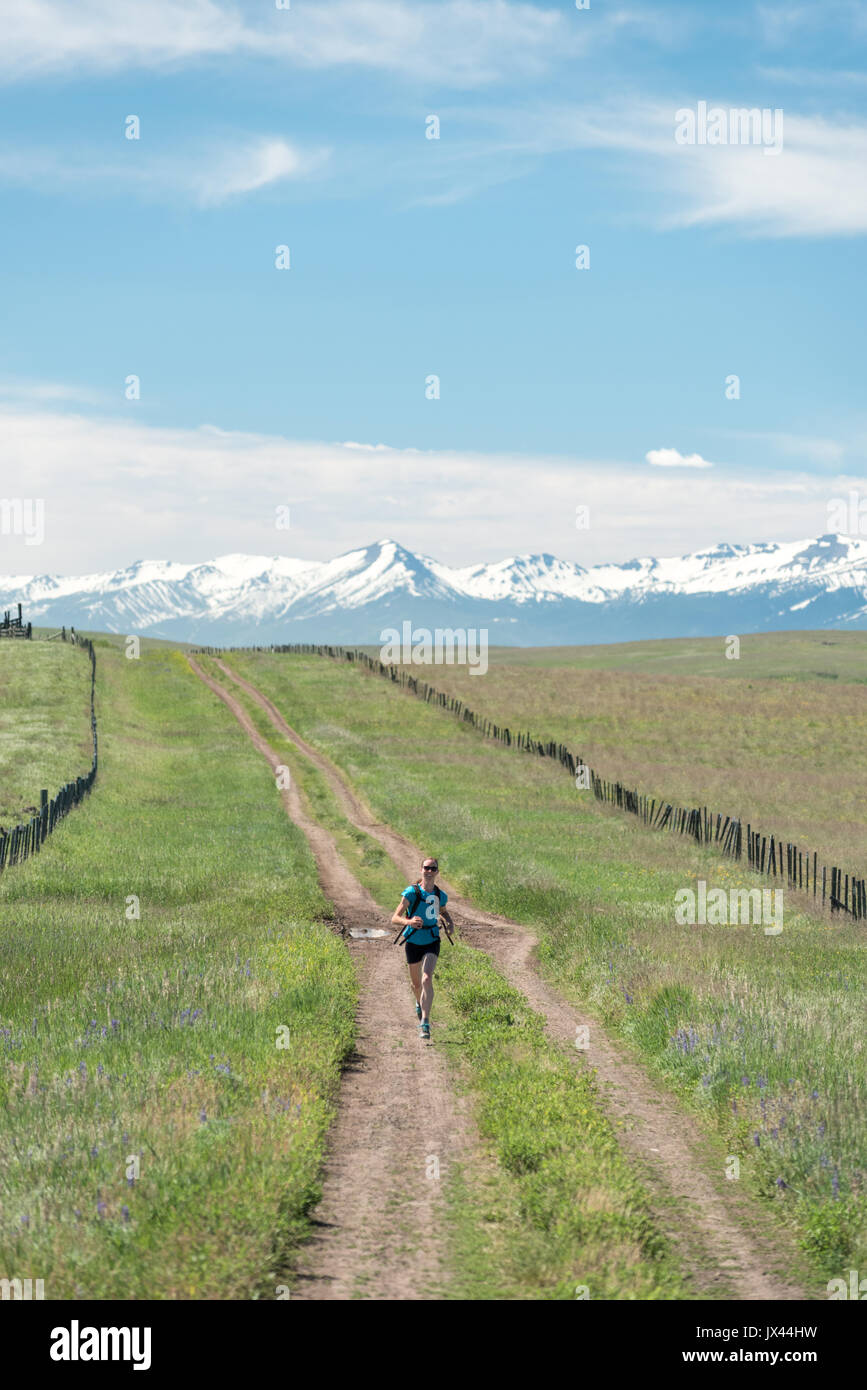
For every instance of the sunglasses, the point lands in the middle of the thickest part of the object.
(430, 868)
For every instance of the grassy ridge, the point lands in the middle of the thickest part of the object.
(553, 1205)
(44, 722)
(761, 1035)
(155, 1037)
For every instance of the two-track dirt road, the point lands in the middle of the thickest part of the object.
(723, 1240)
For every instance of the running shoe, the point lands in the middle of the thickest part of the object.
(418, 1012)
(424, 1029)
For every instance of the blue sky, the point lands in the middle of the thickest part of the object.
(409, 257)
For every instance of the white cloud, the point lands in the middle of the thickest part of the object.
(206, 175)
(815, 186)
(253, 166)
(458, 42)
(670, 458)
(116, 490)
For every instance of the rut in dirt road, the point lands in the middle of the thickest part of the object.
(376, 1226)
(727, 1245)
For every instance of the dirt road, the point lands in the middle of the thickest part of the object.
(726, 1243)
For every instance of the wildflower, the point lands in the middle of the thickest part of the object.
(203, 1117)
(101, 1208)
(745, 1081)
(757, 1141)
(115, 1023)
(125, 1213)
(821, 1130)
(25, 1221)
(94, 1151)
(761, 1081)
(814, 1095)
(781, 1184)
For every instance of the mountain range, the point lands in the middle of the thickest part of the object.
(529, 600)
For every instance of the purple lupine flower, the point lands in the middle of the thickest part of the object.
(745, 1081)
(761, 1081)
(124, 1211)
(94, 1151)
(775, 1134)
(821, 1130)
(101, 1208)
(25, 1221)
(115, 1024)
(781, 1184)
(814, 1095)
(76, 1213)
(757, 1141)
(203, 1117)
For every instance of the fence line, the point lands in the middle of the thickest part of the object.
(763, 853)
(27, 838)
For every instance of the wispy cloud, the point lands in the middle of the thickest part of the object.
(458, 42)
(206, 175)
(814, 187)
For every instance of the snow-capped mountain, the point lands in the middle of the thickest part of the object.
(528, 600)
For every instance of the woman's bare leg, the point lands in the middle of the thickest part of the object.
(428, 965)
(415, 977)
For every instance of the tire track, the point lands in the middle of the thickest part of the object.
(725, 1242)
(378, 1231)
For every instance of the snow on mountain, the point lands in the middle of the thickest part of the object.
(525, 599)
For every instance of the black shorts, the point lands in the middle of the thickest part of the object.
(416, 953)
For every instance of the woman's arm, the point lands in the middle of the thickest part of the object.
(400, 918)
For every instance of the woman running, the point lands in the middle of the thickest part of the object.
(421, 909)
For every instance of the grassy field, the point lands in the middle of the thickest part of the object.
(44, 722)
(761, 1035)
(551, 1204)
(155, 1141)
(777, 738)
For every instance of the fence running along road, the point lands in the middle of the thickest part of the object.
(25, 839)
(764, 854)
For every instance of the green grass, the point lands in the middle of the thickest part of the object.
(560, 1204)
(777, 738)
(790, 656)
(156, 1036)
(44, 723)
(744, 1027)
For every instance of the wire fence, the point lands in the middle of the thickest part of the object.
(841, 892)
(27, 838)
